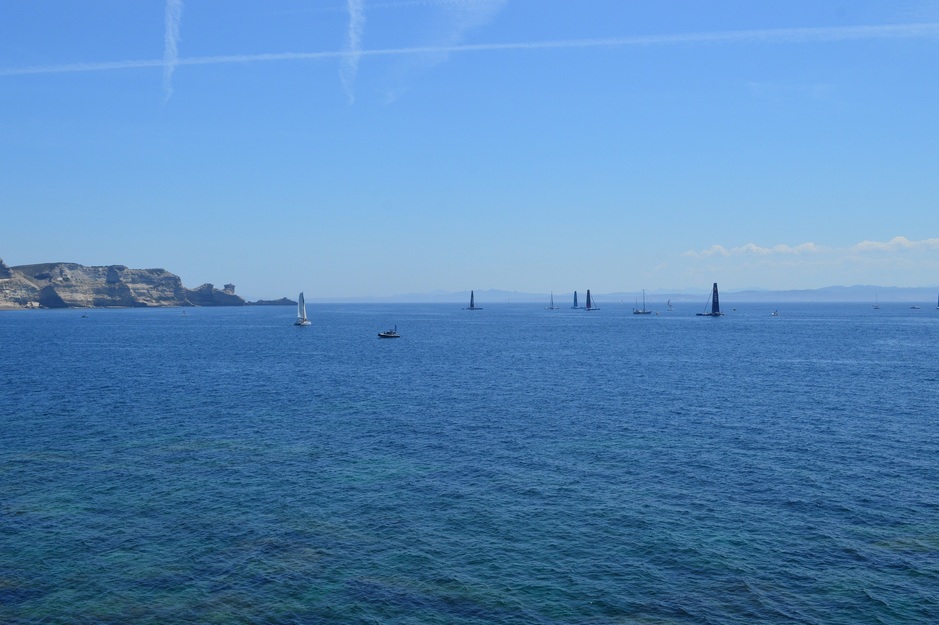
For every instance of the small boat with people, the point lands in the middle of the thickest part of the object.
(390, 334)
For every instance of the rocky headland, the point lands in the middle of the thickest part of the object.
(70, 285)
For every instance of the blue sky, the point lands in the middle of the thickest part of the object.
(367, 147)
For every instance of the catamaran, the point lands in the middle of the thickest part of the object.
(551, 306)
(473, 305)
(643, 310)
(301, 312)
(591, 305)
(715, 305)
(575, 306)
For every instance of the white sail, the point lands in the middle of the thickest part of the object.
(301, 312)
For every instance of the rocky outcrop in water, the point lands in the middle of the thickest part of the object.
(70, 285)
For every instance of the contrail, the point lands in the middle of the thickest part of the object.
(768, 36)
(350, 60)
(174, 12)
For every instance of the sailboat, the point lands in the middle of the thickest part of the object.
(575, 306)
(301, 312)
(591, 305)
(642, 311)
(715, 305)
(473, 305)
(670, 309)
(937, 304)
(876, 303)
(551, 306)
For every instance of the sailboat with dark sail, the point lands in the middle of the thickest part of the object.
(575, 306)
(715, 305)
(473, 305)
(591, 305)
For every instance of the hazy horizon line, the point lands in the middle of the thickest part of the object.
(563, 299)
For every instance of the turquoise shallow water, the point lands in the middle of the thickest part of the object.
(509, 465)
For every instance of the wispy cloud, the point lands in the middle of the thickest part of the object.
(752, 249)
(172, 17)
(454, 21)
(898, 260)
(353, 51)
(773, 36)
(896, 244)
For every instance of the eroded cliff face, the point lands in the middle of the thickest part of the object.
(70, 285)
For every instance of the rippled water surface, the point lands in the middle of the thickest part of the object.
(509, 465)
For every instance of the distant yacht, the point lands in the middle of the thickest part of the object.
(301, 312)
(551, 306)
(389, 334)
(591, 305)
(670, 309)
(643, 310)
(876, 303)
(473, 305)
(576, 307)
(715, 305)
(775, 313)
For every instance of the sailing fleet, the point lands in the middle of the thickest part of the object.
(712, 308)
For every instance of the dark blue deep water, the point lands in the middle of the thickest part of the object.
(510, 465)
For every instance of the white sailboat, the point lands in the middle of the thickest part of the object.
(551, 306)
(301, 312)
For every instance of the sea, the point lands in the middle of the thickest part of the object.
(509, 465)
